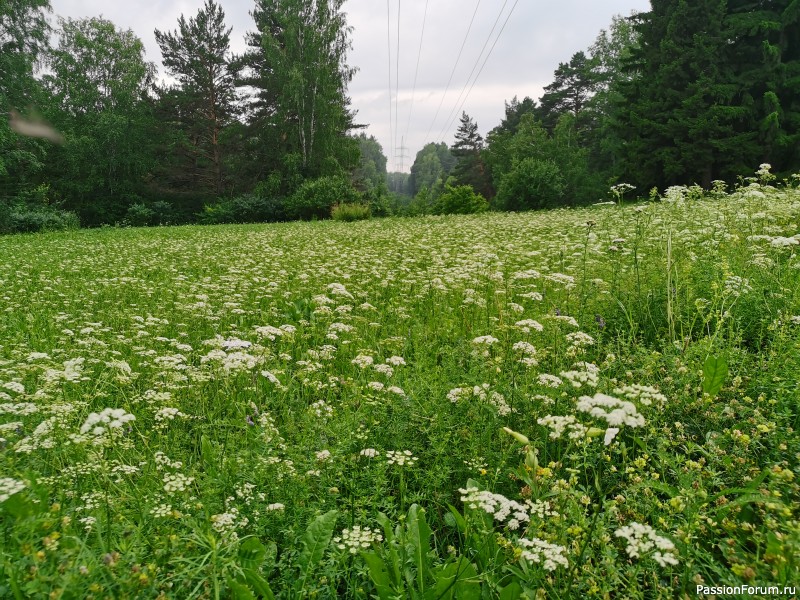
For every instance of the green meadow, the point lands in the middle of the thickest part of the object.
(580, 403)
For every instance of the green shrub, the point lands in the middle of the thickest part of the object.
(315, 198)
(139, 215)
(461, 200)
(350, 212)
(33, 220)
(531, 184)
(248, 208)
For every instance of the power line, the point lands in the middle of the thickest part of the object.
(397, 78)
(485, 60)
(389, 48)
(458, 58)
(416, 71)
(449, 120)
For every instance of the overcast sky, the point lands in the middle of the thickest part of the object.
(536, 37)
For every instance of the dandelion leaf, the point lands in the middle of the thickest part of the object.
(715, 370)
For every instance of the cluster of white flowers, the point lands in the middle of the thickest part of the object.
(579, 378)
(642, 539)
(273, 380)
(529, 274)
(401, 458)
(548, 380)
(485, 340)
(526, 325)
(14, 386)
(384, 369)
(363, 361)
(321, 409)
(162, 460)
(528, 352)
(98, 424)
(19, 408)
(396, 361)
(563, 319)
(73, 371)
(559, 425)
(165, 414)
(675, 193)
(613, 410)
(356, 539)
(226, 523)
(40, 438)
(323, 455)
(735, 286)
(568, 281)
(337, 289)
(783, 242)
(644, 394)
(161, 511)
(482, 393)
(550, 556)
(176, 482)
(501, 508)
(580, 339)
(9, 487)
(236, 362)
(369, 452)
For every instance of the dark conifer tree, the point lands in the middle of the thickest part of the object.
(470, 168)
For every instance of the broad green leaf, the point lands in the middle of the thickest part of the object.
(18, 506)
(239, 590)
(391, 548)
(511, 592)
(258, 583)
(457, 580)
(315, 541)
(455, 519)
(379, 575)
(251, 553)
(715, 370)
(419, 535)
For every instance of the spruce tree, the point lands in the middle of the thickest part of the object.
(713, 91)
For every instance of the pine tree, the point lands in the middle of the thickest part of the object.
(470, 168)
(204, 101)
(569, 92)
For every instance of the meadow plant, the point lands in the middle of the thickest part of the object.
(593, 402)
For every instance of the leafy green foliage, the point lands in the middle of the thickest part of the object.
(531, 184)
(99, 82)
(315, 198)
(296, 63)
(315, 542)
(461, 200)
(350, 212)
(715, 370)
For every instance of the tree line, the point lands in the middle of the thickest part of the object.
(265, 135)
(688, 92)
